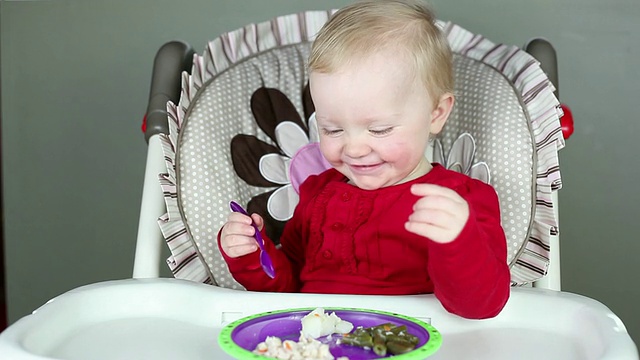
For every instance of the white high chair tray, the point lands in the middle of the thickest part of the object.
(176, 319)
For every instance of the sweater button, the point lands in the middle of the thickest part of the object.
(337, 226)
(346, 197)
(327, 254)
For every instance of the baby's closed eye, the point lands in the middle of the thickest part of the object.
(381, 131)
(331, 131)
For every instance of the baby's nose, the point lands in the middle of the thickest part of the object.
(356, 147)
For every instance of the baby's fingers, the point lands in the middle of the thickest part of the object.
(431, 231)
(237, 245)
(257, 219)
(238, 234)
(436, 225)
(237, 238)
(439, 203)
(435, 190)
(238, 218)
(432, 217)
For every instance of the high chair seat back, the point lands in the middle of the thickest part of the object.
(245, 113)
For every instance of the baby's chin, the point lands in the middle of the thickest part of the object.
(369, 185)
(376, 184)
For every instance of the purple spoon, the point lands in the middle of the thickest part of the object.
(265, 260)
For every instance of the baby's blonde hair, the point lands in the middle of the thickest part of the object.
(404, 26)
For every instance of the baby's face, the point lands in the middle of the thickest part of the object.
(374, 119)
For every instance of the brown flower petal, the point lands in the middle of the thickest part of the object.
(273, 227)
(246, 151)
(271, 107)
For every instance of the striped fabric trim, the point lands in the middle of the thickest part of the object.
(544, 112)
(233, 47)
(184, 261)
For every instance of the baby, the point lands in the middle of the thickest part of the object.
(383, 219)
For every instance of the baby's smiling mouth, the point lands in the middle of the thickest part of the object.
(364, 167)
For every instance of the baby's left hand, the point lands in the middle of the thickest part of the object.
(439, 215)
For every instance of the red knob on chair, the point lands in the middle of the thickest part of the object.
(566, 122)
(144, 125)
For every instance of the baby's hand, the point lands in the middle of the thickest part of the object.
(237, 234)
(439, 215)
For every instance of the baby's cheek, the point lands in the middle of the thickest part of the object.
(400, 153)
(332, 154)
(327, 148)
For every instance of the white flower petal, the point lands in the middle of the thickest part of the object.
(275, 168)
(438, 153)
(428, 152)
(461, 154)
(282, 203)
(481, 172)
(290, 137)
(457, 167)
(313, 129)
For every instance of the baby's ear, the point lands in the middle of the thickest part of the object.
(441, 112)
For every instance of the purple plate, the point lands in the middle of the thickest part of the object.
(241, 337)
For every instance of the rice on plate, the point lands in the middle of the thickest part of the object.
(316, 324)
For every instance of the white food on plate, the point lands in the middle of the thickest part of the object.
(314, 325)
(305, 349)
(318, 323)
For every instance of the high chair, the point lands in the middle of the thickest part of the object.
(228, 123)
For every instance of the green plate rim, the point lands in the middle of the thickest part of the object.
(227, 344)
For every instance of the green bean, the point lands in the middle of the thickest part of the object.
(394, 337)
(412, 339)
(398, 329)
(361, 340)
(382, 339)
(359, 331)
(380, 333)
(379, 342)
(385, 326)
(399, 346)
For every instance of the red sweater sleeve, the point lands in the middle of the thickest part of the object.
(288, 262)
(470, 275)
(247, 270)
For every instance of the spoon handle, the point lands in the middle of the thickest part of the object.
(265, 260)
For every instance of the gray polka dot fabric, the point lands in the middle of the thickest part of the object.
(488, 108)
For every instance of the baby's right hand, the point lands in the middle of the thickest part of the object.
(237, 237)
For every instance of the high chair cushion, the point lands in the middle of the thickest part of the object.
(246, 112)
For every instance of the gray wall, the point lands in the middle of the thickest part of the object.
(75, 79)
